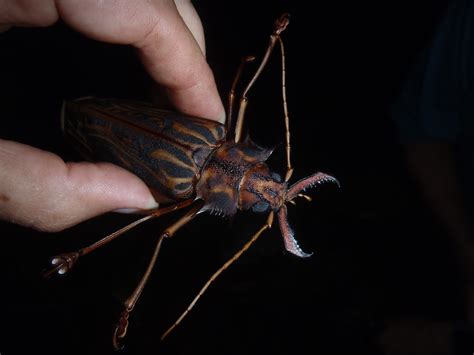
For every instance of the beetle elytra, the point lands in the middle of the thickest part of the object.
(187, 162)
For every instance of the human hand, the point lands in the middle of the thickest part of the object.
(42, 191)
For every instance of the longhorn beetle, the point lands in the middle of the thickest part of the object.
(187, 162)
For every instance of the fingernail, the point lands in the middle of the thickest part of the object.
(222, 118)
(152, 205)
(129, 210)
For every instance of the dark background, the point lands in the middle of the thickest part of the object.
(379, 254)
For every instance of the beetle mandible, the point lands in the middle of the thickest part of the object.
(187, 162)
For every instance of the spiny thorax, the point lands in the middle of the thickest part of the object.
(228, 171)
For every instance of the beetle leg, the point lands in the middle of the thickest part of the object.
(247, 245)
(62, 263)
(231, 97)
(129, 304)
(280, 26)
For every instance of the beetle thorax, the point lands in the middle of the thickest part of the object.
(235, 176)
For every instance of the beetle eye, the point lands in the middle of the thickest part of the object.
(260, 207)
(276, 177)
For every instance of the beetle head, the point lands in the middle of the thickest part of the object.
(262, 190)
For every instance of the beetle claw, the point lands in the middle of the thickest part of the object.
(62, 264)
(281, 23)
(120, 330)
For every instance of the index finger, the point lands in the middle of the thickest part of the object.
(174, 58)
(166, 36)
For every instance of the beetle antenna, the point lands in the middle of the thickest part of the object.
(289, 168)
(237, 255)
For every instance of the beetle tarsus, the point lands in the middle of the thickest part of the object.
(62, 264)
(281, 23)
(120, 330)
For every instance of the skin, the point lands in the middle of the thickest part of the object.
(44, 192)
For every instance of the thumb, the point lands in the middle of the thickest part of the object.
(39, 190)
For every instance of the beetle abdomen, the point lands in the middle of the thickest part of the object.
(165, 149)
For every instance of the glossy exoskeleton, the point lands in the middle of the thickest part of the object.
(186, 161)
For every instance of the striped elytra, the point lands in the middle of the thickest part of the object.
(165, 149)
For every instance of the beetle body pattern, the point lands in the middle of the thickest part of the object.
(180, 157)
(165, 149)
(187, 162)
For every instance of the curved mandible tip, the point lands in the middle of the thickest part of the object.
(288, 235)
(309, 182)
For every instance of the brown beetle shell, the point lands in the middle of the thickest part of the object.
(165, 149)
(223, 174)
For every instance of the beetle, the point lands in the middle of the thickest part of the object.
(187, 162)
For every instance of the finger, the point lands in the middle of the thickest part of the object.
(193, 22)
(189, 80)
(42, 191)
(27, 13)
(174, 55)
(167, 47)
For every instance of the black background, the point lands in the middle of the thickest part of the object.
(378, 252)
